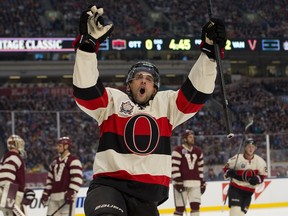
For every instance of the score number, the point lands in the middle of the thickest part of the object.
(183, 44)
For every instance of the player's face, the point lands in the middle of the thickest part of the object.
(250, 149)
(190, 139)
(60, 148)
(142, 87)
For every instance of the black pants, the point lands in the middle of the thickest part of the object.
(238, 197)
(104, 199)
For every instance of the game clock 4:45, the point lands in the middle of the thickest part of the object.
(181, 44)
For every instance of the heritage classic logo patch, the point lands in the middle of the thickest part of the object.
(126, 108)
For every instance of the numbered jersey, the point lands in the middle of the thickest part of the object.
(64, 173)
(187, 165)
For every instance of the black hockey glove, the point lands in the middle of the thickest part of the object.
(29, 196)
(254, 180)
(213, 32)
(231, 173)
(92, 29)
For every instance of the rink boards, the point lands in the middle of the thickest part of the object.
(271, 194)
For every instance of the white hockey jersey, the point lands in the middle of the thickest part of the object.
(134, 153)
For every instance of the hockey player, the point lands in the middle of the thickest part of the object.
(249, 171)
(187, 175)
(132, 166)
(12, 179)
(63, 181)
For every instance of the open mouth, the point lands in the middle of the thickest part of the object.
(142, 90)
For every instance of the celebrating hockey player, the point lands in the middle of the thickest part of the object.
(187, 175)
(246, 171)
(13, 196)
(63, 182)
(132, 166)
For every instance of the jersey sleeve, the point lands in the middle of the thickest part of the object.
(76, 176)
(88, 90)
(176, 162)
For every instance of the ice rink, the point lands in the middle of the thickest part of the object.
(252, 212)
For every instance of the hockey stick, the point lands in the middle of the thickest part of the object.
(183, 203)
(251, 121)
(17, 211)
(58, 209)
(70, 209)
(222, 83)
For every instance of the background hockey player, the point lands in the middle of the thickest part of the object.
(246, 171)
(132, 166)
(13, 195)
(64, 180)
(187, 175)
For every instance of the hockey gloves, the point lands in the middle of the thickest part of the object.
(203, 187)
(44, 198)
(29, 196)
(92, 29)
(254, 180)
(179, 187)
(70, 196)
(231, 173)
(213, 32)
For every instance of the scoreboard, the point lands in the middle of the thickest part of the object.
(146, 44)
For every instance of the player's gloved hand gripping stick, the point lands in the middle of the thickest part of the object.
(215, 31)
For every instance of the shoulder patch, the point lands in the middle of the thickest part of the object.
(126, 108)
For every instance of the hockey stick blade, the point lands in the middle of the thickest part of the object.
(58, 209)
(230, 135)
(249, 124)
(17, 211)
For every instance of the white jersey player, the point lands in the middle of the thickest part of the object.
(132, 166)
(246, 171)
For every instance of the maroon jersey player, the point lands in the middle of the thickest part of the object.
(187, 175)
(12, 172)
(64, 180)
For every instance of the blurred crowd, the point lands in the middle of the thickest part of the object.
(39, 110)
(52, 18)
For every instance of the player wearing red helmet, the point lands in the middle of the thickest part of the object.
(64, 180)
(187, 175)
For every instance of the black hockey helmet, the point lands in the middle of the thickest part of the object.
(147, 67)
(250, 141)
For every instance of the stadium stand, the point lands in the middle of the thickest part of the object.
(35, 111)
(34, 18)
